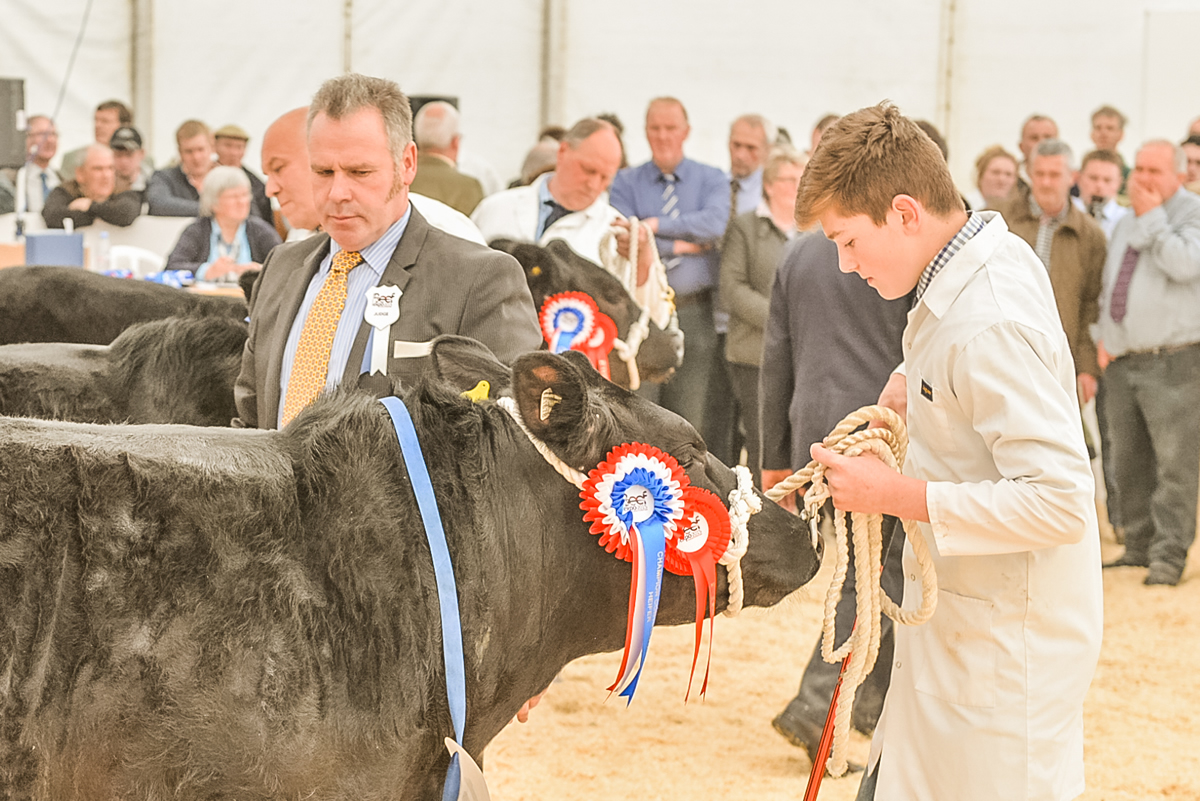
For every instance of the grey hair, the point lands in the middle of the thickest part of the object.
(218, 180)
(759, 121)
(346, 94)
(780, 157)
(585, 128)
(1178, 154)
(436, 125)
(1053, 147)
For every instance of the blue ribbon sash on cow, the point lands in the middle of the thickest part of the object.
(464, 779)
(635, 499)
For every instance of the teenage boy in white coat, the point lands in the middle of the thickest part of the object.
(986, 699)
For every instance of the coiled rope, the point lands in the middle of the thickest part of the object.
(889, 444)
(743, 504)
(625, 271)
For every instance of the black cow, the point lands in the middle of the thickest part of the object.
(557, 268)
(66, 304)
(206, 613)
(177, 370)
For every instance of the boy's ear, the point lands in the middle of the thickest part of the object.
(910, 210)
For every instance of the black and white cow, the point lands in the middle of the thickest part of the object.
(557, 268)
(176, 370)
(227, 614)
(66, 304)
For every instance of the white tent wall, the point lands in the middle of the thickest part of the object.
(487, 55)
(975, 68)
(36, 39)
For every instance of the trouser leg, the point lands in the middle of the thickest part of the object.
(1168, 399)
(745, 387)
(1132, 455)
(1106, 463)
(685, 393)
(721, 409)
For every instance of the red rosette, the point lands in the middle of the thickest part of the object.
(703, 531)
(580, 302)
(597, 507)
(600, 343)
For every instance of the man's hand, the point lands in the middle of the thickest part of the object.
(80, 204)
(684, 248)
(1102, 356)
(865, 484)
(1143, 196)
(895, 397)
(772, 477)
(523, 714)
(645, 254)
(1087, 387)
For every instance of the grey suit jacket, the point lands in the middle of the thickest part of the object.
(448, 285)
(831, 344)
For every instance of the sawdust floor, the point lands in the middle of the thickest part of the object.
(1142, 712)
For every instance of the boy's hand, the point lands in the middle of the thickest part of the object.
(895, 397)
(865, 484)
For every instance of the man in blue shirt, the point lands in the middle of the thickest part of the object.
(686, 204)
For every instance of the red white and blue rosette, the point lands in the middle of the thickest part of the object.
(634, 501)
(567, 320)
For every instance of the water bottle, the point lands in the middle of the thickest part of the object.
(102, 254)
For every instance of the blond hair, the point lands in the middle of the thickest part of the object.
(868, 158)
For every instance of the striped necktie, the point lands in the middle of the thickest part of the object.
(311, 365)
(1120, 294)
(670, 209)
(734, 187)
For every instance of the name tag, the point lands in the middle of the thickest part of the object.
(926, 391)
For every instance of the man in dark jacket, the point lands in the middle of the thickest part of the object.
(830, 345)
(92, 194)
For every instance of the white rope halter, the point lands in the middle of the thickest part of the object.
(889, 444)
(625, 271)
(743, 502)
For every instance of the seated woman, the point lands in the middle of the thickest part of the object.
(225, 240)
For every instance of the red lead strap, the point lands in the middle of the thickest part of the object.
(817, 773)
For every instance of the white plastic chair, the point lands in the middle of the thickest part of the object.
(139, 261)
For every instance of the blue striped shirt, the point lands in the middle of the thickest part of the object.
(363, 277)
(974, 225)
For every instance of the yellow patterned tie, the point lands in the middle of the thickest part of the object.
(311, 365)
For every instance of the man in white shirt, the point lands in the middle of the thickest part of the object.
(571, 204)
(986, 698)
(1099, 184)
(36, 180)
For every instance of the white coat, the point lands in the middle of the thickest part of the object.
(513, 214)
(986, 699)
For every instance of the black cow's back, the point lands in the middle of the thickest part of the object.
(66, 304)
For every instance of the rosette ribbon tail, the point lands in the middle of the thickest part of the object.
(704, 573)
(645, 591)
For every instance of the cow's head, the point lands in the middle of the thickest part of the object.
(557, 268)
(581, 417)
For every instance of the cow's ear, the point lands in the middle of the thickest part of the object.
(246, 282)
(552, 395)
(464, 363)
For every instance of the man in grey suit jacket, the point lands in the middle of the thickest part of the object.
(830, 344)
(363, 161)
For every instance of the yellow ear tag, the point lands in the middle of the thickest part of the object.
(536, 271)
(479, 393)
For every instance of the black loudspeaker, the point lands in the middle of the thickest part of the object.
(12, 122)
(416, 101)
